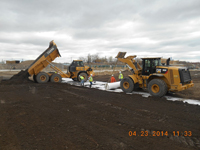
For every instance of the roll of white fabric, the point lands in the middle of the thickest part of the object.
(114, 85)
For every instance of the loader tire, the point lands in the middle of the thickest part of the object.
(55, 78)
(34, 78)
(127, 85)
(42, 77)
(84, 75)
(157, 87)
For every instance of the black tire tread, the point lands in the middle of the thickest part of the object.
(40, 74)
(162, 85)
(55, 75)
(82, 74)
(131, 83)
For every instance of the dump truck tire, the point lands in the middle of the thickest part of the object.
(157, 87)
(34, 78)
(55, 78)
(84, 75)
(127, 85)
(42, 77)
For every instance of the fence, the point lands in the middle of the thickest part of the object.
(108, 66)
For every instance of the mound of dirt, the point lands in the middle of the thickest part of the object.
(21, 77)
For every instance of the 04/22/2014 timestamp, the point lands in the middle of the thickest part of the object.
(159, 133)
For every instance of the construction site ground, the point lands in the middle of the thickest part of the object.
(58, 116)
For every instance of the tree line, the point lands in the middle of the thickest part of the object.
(95, 58)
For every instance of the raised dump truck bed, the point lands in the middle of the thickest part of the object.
(46, 58)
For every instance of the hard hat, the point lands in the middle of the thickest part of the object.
(112, 74)
(79, 75)
(91, 75)
(119, 71)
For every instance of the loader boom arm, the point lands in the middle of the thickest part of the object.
(129, 61)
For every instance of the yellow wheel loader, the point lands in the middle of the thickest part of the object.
(75, 69)
(157, 78)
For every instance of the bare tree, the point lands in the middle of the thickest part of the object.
(95, 57)
(89, 58)
(83, 59)
(110, 59)
(103, 59)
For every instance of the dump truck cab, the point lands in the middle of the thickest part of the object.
(76, 65)
(77, 68)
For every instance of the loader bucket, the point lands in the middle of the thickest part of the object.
(121, 55)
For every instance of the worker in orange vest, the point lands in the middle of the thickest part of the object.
(112, 79)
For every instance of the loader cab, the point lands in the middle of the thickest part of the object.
(149, 65)
(76, 63)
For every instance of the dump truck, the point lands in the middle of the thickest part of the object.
(75, 69)
(157, 78)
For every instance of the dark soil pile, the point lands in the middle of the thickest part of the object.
(21, 77)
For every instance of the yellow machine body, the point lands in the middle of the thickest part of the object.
(152, 75)
(46, 58)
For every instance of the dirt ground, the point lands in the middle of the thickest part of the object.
(59, 116)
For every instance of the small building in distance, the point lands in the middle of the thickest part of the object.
(12, 61)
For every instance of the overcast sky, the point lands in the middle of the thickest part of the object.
(166, 28)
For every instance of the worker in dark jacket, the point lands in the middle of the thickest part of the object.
(112, 79)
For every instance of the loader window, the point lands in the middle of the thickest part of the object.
(153, 65)
(149, 66)
(147, 63)
(157, 62)
(146, 67)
